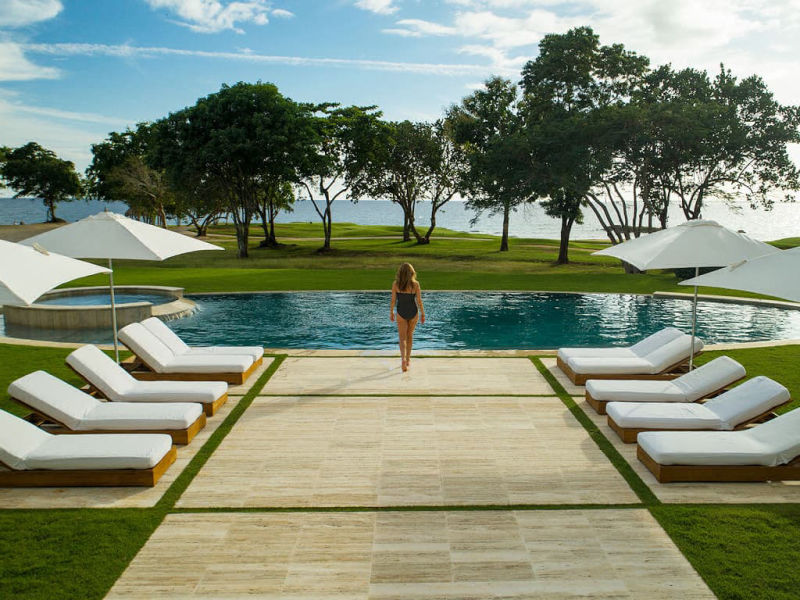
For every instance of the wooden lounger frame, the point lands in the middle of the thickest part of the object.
(628, 434)
(209, 408)
(600, 405)
(669, 373)
(719, 473)
(142, 371)
(100, 478)
(53, 425)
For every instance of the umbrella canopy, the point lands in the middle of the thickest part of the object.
(109, 235)
(691, 244)
(27, 273)
(113, 236)
(773, 275)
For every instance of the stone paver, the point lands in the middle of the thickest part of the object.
(411, 555)
(723, 493)
(120, 497)
(427, 376)
(241, 390)
(571, 388)
(401, 451)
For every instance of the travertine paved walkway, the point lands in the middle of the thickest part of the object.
(411, 555)
(400, 451)
(427, 376)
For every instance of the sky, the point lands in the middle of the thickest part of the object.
(71, 71)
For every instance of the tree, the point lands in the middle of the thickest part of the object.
(346, 145)
(685, 138)
(122, 170)
(499, 174)
(568, 90)
(35, 171)
(240, 138)
(447, 171)
(401, 169)
(273, 198)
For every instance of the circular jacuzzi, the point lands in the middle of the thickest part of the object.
(90, 307)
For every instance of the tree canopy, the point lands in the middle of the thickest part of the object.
(37, 172)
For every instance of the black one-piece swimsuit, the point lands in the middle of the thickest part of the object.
(406, 305)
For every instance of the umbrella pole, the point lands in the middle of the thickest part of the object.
(694, 321)
(113, 310)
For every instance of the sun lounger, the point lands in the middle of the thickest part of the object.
(115, 383)
(703, 382)
(640, 348)
(156, 361)
(72, 411)
(752, 401)
(656, 363)
(35, 458)
(179, 348)
(766, 452)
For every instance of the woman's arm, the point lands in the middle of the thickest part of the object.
(394, 300)
(419, 302)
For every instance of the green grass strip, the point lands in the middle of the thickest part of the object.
(639, 487)
(415, 508)
(170, 497)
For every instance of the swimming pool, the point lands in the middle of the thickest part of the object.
(459, 320)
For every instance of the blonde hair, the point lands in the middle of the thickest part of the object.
(406, 278)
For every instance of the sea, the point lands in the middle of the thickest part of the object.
(529, 221)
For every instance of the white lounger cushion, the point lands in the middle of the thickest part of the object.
(652, 363)
(80, 412)
(657, 415)
(118, 385)
(159, 329)
(690, 387)
(161, 359)
(640, 348)
(24, 446)
(724, 413)
(773, 443)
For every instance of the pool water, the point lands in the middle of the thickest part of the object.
(459, 320)
(101, 299)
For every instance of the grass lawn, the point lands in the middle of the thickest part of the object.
(366, 259)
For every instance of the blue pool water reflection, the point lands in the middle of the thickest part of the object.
(461, 320)
(105, 299)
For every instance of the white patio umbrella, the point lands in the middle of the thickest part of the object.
(26, 273)
(112, 236)
(775, 274)
(692, 244)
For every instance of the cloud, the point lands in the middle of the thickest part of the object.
(68, 134)
(14, 66)
(144, 52)
(281, 13)
(19, 13)
(380, 7)
(420, 28)
(749, 36)
(213, 16)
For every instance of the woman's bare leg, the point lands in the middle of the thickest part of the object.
(402, 334)
(412, 324)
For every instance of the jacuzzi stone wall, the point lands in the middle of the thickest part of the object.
(48, 316)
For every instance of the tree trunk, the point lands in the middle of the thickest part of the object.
(326, 225)
(563, 248)
(426, 239)
(406, 227)
(272, 215)
(504, 240)
(51, 211)
(242, 234)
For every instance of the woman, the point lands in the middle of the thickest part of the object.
(408, 298)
